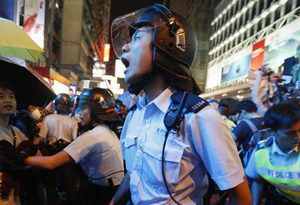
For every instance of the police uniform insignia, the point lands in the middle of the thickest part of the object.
(193, 103)
(265, 143)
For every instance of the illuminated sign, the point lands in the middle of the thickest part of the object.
(34, 20)
(106, 52)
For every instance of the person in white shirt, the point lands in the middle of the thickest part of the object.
(165, 166)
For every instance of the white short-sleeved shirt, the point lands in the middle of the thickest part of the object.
(57, 126)
(6, 134)
(99, 153)
(276, 157)
(203, 144)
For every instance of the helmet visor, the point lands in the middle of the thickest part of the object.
(123, 27)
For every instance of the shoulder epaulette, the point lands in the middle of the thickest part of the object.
(265, 143)
(193, 103)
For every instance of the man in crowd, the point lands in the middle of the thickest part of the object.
(97, 149)
(10, 185)
(166, 160)
(57, 131)
(249, 123)
(276, 160)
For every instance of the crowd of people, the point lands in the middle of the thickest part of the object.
(169, 147)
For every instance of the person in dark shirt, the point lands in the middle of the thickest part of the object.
(249, 123)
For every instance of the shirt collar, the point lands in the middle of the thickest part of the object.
(162, 102)
(275, 148)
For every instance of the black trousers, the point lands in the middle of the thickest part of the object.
(93, 194)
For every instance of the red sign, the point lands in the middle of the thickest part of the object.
(43, 71)
(257, 58)
(106, 52)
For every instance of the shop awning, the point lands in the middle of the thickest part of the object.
(50, 73)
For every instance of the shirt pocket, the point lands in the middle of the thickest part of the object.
(173, 156)
(130, 151)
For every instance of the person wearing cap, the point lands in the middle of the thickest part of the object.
(167, 162)
(97, 149)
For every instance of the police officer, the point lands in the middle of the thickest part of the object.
(97, 149)
(276, 160)
(57, 131)
(162, 47)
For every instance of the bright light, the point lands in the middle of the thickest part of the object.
(282, 1)
(227, 24)
(244, 9)
(232, 20)
(264, 14)
(250, 4)
(236, 34)
(219, 32)
(218, 48)
(226, 41)
(231, 38)
(240, 96)
(249, 25)
(225, 94)
(256, 19)
(238, 15)
(242, 30)
(274, 7)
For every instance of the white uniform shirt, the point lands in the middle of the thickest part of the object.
(56, 127)
(203, 144)
(276, 157)
(99, 153)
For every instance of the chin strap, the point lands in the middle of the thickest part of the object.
(146, 78)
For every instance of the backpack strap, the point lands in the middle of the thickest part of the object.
(265, 143)
(251, 125)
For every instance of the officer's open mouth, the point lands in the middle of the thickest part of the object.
(125, 62)
(8, 106)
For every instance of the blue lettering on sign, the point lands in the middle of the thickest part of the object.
(282, 174)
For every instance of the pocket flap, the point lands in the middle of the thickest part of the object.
(130, 140)
(172, 153)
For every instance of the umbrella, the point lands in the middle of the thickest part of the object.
(15, 42)
(30, 88)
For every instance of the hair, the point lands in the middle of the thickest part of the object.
(7, 86)
(246, 105)
(224, 110)
(282, 115)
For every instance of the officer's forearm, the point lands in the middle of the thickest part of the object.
(122, 196)
(49, 162)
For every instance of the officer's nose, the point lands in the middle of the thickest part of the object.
(125, 48)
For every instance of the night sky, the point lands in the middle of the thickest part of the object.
(122, 7)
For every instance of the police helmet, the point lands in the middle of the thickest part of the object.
(121, 109)
(63, 103)
(174, 41)
(101, 103)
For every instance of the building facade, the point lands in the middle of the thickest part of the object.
(248, 34)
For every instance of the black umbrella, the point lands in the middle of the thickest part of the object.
(30, 88)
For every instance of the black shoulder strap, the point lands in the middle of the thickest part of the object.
(193, 103)
(133, 107)
(14, 134)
